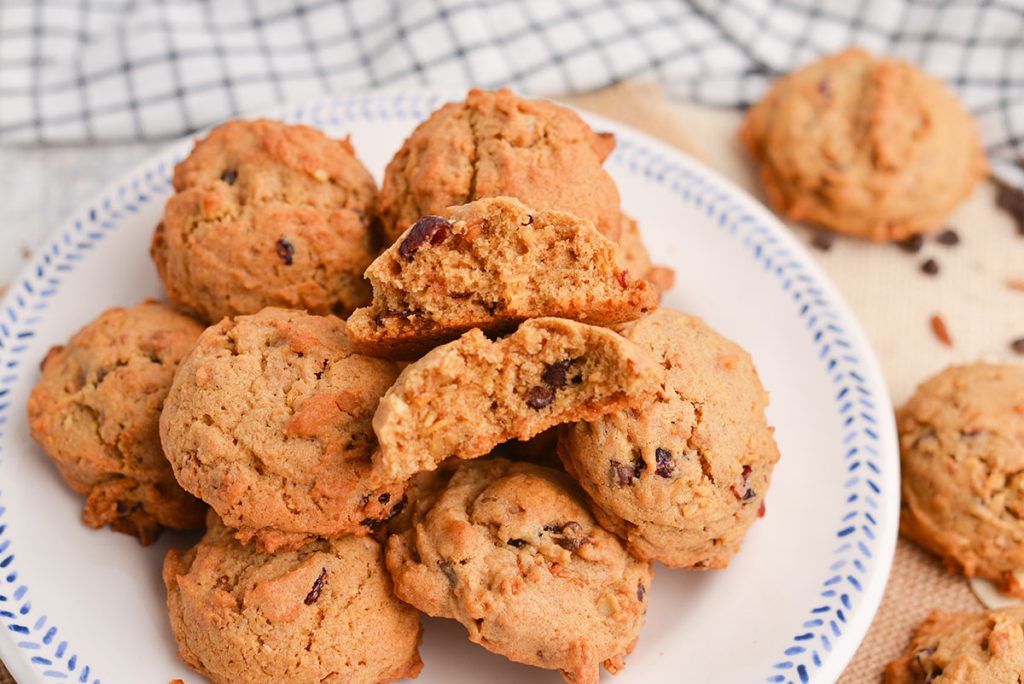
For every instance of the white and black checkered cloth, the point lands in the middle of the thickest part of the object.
(104, 70)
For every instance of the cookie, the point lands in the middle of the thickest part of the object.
(683, 477)
(464, 398)
(267, 214)
(962, 458)
(975, 648)
(510, 551)
(633, 258)
(323, 613)
(495, 143)
(269, 421)
(96, 413)
(491, 264)
(867, 146)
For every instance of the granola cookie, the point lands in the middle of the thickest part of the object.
(683, 477)
(96, 413)
(323, 613)
(267, 214)
(492, 264)
(269, 421)
(494, 143)
(962, 457)
(464, 398)
(510, 551)
(867, 146)
(973, 648)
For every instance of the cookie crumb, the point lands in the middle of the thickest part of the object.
(940, 330)
(1018, 345)
(1011, 200)
(823, 240)
(1015, 284)
(948, 237)
(912, 244)
(930, 267)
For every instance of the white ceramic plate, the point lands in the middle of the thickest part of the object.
(88, 605)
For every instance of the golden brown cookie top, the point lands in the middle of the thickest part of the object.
(495, 143)
(980, 648)
(492, 264)
(267, 214)
(511, 552)
(96, 410)
(325, 612)
(269, 421)
(962, 455)
(868, 146)
(682, 477)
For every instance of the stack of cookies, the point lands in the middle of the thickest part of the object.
(497, 425)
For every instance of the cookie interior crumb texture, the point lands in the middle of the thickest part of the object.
(269, 421)
(267, 214)
(464, 398)
(867, 146)
(323, 613)
(962, 460)
(491, 264)
(96, 412)
(683, 477)
(510, 551)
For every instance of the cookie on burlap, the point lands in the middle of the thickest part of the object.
(325, 612)
(495, 143)
(464, 398)
(962, 459)
(269, 421)
(867, 146)
(511, 552)
(492, 264)
(972, 648)
(267, 214)
(683, 477)
(96, 413)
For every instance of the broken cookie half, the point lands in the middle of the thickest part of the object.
(492, 264)
(464, 398)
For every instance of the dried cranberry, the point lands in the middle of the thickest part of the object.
(538, 397)
(555, 373)
(318, 586)
(285, 251)
(229, 176)
(760, 510)
(665, 466)
(429, 229)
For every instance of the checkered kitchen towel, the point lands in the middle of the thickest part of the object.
(102, 70)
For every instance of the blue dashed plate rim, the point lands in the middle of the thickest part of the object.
(851, 591)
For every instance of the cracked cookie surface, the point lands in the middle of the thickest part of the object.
(323, 613)
(510, 551)
(492, 264)
(867, 146)
(267, 214)
(269, 421)
(682, 477)
(962, 461)
(974, 648)
(464, 398)
(495, 143)
(96, 413)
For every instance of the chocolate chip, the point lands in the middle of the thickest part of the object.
(1011, 200)
(948, 237)
(930, 267)
(384, 499)
(285, 251)
(823, 240)
(448, 571)
(229, 176)
(665, 466)
(571, 533)
(912, 244)
(323, 369)
(373, 524)
(555, 373)
(1018, 345)
(529, 221)
(518, 543)
(641, 591)
(399, 506)
(623, 474)
(538, 397)
(429, 229)
(318, 586)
